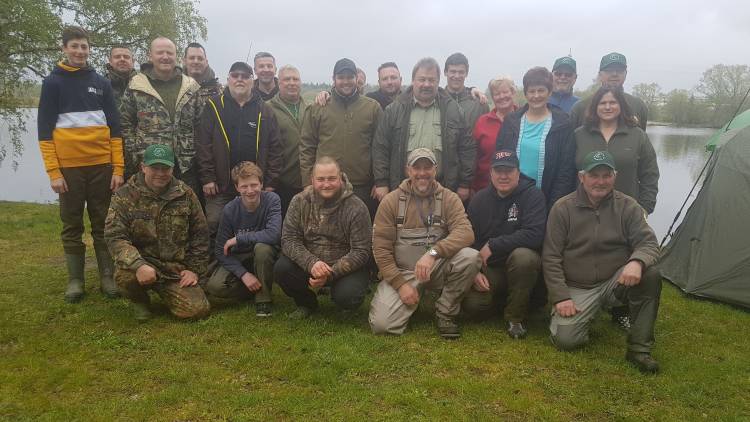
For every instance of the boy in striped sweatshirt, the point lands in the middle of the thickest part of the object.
(81, 145)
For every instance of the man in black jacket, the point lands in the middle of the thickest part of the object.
(508, 218)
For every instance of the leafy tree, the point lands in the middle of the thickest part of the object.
(724, 87)
(30, 30)
(651, 95)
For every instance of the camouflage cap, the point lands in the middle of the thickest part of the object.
(613, 59)
(566, 61)
(598, 158)
(420, 153)
(158, 154)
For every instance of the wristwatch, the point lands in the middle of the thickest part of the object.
(433, 253)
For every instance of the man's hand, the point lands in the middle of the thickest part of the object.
(229, 244)
(145, 274)
(423, 268)
(485, 253)
(318, 282)
(188, 278)
(210, 189)
(116, 182)
(322, 98)
(463, 193)
(409, 295)
(321, 269)
(251, 282)
(631, 274)
(481, 284)
(381, 192)
(566, 308)
(59, 185)
(479, 95)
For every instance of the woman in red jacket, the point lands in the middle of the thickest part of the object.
(503, 91)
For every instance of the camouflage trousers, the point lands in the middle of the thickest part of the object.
(183, 302)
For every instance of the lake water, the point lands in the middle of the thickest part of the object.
(681, 154)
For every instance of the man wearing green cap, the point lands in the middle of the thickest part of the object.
(158, 238)
(563, 78)
(600, 252)
(613, 68)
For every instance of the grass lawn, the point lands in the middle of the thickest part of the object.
(93, 361)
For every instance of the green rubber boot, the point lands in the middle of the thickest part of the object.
(75, 291)
(106, 273)
(141, 312)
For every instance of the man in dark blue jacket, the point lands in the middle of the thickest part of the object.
(247, 241)
(508, 218)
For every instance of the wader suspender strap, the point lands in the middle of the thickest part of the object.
(437, 216)
(224, 132)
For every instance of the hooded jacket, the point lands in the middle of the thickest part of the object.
(146, 120)
(470, 106)
(216, 137)
(209, 86)
(505, 224)
(559, 176)
(166, 231)
(385, 230)
(290, 130)
(77, 122)
(337, 232)
(263, 95)
(389, 150)
(119, 82)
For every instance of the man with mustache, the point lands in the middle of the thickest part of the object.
(600, 252)
(421, 240)
(423, 117)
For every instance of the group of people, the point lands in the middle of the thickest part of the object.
(206, 193)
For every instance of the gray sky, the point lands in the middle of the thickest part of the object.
(668, 42)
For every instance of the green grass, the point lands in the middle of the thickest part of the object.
(93, 361)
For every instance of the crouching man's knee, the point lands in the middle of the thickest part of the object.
(568, 337)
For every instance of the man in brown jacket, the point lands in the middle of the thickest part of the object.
(600, 252)
(326, 241)
(236, 126)
(421, 240)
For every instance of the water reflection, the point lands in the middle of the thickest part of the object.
(680, 151)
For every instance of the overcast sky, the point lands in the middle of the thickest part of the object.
(668, 42)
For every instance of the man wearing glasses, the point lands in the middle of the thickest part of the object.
(563, 78)
(235, 126)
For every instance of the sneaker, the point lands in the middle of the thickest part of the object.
(516, 330)
(263, 309)
(142, 313)
(643, 361)
(301, 312)
(448, 329)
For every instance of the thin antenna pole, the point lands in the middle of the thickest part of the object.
(249, 51)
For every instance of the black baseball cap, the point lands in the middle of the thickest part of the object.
(505, 158)
(344, 65)
(241, 66)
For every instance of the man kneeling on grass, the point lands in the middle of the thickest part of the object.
(247, 241)
(598, 252)
(158, 238)
(326, 241)
(421, 240)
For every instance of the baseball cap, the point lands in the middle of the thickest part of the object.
(344, 65)
(158, 154)
(420, 153)
(505, 158)
(242, 67)
(598, 158)
(612, 58)
(566, 61)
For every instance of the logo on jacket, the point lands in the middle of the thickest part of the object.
(513, 212)
(96, 91)
(253, 125)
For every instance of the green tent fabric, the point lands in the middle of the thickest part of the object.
(740, 121)
(709, 253)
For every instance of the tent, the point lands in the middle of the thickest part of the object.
(709, 253)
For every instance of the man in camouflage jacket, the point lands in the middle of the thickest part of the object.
(158, 238)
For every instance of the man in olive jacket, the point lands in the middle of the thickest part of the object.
(600, 252)
(424, 117)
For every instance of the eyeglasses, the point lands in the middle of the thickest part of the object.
(240, 75)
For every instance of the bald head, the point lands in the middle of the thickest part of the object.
(163, 55)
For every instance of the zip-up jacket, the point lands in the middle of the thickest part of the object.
(516, 221)
(78, 123)
(470, 106)
(290, 130)
(222, 123)
(637, 106)
(585, 246)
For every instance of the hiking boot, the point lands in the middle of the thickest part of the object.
(302, 312)
(643, 361)
(75, 264)
(448, 328)
(516, 330)
(106, 273)
(263, 309)
(141, 312)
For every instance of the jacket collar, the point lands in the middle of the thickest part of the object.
(141, 82)
(174, 190)
(582, 199)
(344, 100)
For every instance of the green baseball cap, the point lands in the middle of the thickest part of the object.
(598, 158)
(612, 58)
(158, 154)
(566, 61)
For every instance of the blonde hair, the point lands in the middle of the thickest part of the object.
(245, 169)
(502, 79)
